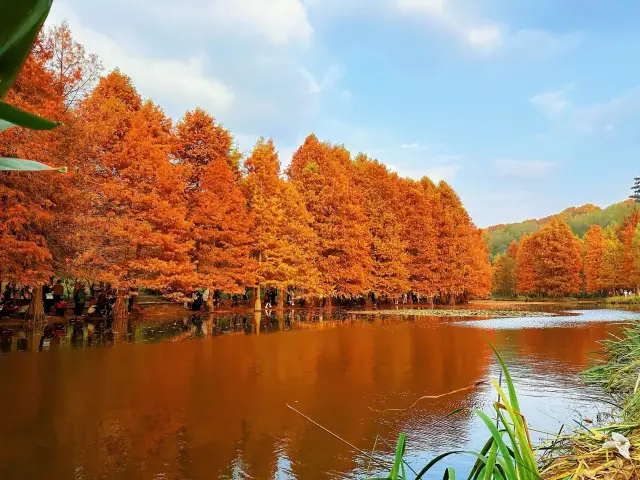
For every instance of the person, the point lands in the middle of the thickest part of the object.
(58, 291)
(8, 293)
(47, 298)
(79, 299)
(197, 302)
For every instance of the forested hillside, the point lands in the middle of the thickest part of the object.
(499, 237)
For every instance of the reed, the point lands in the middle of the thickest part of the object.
(507, 455)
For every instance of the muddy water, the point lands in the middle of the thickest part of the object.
(192, 400)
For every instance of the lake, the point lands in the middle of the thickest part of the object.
(207, 400)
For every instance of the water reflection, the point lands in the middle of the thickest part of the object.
(215, 407)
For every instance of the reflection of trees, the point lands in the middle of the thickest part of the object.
(207, 409)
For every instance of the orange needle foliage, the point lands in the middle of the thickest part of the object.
(323, 174)
(594, 260)
(284, 241)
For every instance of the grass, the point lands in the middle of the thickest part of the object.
(581, 454)
(622, 300)
(508, 453)
(426, 312)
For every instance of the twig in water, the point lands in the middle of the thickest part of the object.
(366, 454)
(429, 397)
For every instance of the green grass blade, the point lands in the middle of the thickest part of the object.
(439, 458)
(26, 165)
(512, 391)
(504, 451)
(397, 462)
(20, 22)
(11, 116)
(449, 474)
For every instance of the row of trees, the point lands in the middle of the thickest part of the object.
(554, 262)
(147, 203)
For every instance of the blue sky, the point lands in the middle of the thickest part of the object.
(525, 107)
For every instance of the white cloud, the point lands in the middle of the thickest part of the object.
(154, 76)
(445, 173)
(414, 146)
(430, 6)
(524, 169)
(604, 116)
(552, 103)
(281, 22)
(242, 60)
(485, 36)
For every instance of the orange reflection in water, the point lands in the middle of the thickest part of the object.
(215, 407)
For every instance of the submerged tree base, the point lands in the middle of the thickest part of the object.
(434, 312)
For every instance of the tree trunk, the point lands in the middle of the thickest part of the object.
(281, 294)
(257, 317)
(257, 306)
(210, 299)
(431, 302)
(120, 312)
(35, 312)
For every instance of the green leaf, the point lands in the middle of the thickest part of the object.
(11, 116)
(20, 22)
(450, 474)
(395, 471)
(26, 165)
(497, 437)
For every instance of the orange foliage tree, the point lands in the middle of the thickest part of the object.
(549, 262)
(215, 204)
(284, 243)
(594, 249)
(390, 273)
(322, 174)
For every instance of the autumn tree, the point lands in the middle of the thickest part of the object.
(216, 206)
(612, 278)
(594, 257)
(322, 174)
(415, 208)
(141, 215)
(525, 266)
(558, 261)
(453, 229)
(284, 243)
(627, 234)
(478, 274)
(27, 200)
(390, 273)
(503, 280)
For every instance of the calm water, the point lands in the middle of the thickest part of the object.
(185, 400)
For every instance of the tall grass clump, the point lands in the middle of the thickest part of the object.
(621, 300)
(507, 454)
(595, 453)
(618, 372)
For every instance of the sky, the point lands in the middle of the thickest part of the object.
(524, 107)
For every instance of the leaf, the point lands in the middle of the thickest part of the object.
(26, 165)
(20, 22)
(11, 116)
(395, 471)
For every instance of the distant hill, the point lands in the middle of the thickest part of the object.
(499, 237)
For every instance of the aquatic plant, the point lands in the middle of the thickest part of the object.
(507, 455)
(428, 312)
